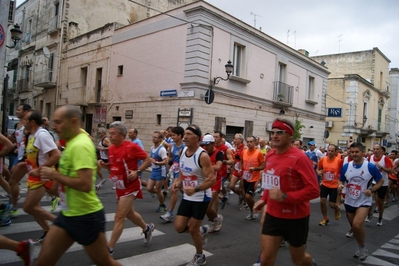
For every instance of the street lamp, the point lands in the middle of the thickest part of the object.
(15, 35)
(229, 69)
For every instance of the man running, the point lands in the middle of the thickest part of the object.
(102, 146)
(41, 151)
(252, 162)
(19, 168)
(174, 156)
(123, 157)
(159, 159)
(358, 176)
(290, 183)
(329, 168)
(196, 178)
(385, 166)
(82, 218)
(236, 177)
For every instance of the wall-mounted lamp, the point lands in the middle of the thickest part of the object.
(282, 112)
(15, 35)
(229, 69)
(363, 123)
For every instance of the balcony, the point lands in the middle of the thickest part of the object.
(282, 94)
(44, 79)
(53, 25)
(23, 85)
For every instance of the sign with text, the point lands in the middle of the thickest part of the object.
(334, 112)
(100, 114)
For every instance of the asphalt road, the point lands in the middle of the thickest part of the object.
(236, 244)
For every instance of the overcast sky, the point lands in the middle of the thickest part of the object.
(324, 27)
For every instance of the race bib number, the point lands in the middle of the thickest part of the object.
(328, 176)
(175, 167)
(247, 175)
(117, 180)
(269, 181)
(237, 166)
(190, 181)
(353, 190)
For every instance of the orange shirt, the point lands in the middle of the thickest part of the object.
(252, 158)
(331, 171)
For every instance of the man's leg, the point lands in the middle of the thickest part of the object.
(57, 243)
(269, 247)
(158, 191)
(300, 257)
(32, 207)
(4, 184)
(17, 173)
(194, 230)
(323, 208)
(124, 207)
(357, 221)
(98, 252)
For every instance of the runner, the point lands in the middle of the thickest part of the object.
(385, 166)
(41, 151)
(159, 159)
(252, 162)
(5, 147)
(24, 249)
(174, 156)
(82, 218)
(216, 156)
(123, 157)
(359, 174)
(196, 178)
(329, 168)
(236, 177)
(102, 146)
(19, 169)
(287, 206)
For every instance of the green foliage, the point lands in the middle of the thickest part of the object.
(298, 128)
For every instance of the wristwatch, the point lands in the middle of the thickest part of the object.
(138, 171)
(284, 196)
(197, 189)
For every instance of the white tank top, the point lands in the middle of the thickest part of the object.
(19, 137)
(103, 154)
(193, 176)
(382, 163)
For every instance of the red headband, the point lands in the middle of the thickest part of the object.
(283, 126)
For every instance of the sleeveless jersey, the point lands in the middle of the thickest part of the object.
(103, 154)
(383, 164)
(19, 137)
(237, 159)
(175, 152)
(252, 158)
(157, 170)
(331, 171)
(223, 170)
(193, 176)
(358, 178)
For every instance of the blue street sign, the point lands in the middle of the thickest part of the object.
(334, 112)
(168, 93)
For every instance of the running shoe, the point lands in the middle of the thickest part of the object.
(257, 263)
(324, 222)
(386, 204)
(375, 210)
(240, 200)
(161, 208)
(224, 202)
(379, 223)
(393, 199)
(54, 204)
(13, 213)
(244, 207)
(282, 244)
(168, 216)
(111, 251)
(251, 216)
(7, 209)
(204, 233)
(198, 260)
(350, 233)
(337, 214)
(5, 220)
(113, 187)
(165, 193)
(41, 239)
(148, 233)
(217, 224)
(26, 252)
(369, 217)
(361, 253)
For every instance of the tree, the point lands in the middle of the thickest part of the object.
(298, 128)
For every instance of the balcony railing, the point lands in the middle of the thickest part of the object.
(23, 85)
(53, 25)
(44, 79)
(282, 93)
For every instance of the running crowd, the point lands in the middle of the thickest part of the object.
(64, 163)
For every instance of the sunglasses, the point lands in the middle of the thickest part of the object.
(277, 132)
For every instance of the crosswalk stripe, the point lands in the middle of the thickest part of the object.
(390, 246)
(376, 261)
(381, 252)
(171, 256)
(129, 234)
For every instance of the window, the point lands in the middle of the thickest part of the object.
(159, 119)
(83, 76)
(120, 70)
(99, 74)
(48, 110)
(310, 93)
(50, 67)
(239, 60)
(28, 31)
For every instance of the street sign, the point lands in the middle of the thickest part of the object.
(168, 93)
(185, 94)
(2, 35)
(209, 96)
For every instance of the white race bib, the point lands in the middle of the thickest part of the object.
(269, 181)
(190, 181)
(353, 190)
